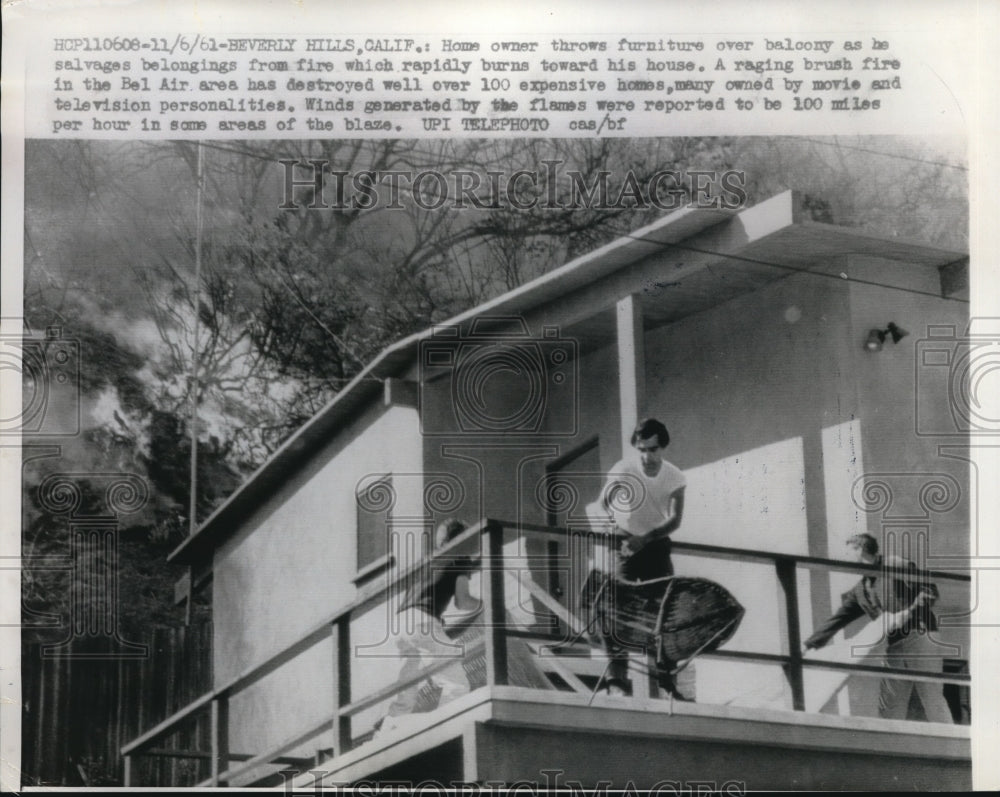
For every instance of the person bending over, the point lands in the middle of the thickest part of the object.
(423, 638)
(906, 604)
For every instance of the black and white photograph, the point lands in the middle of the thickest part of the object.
(495, 456)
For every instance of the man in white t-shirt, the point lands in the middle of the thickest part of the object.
(644, 497)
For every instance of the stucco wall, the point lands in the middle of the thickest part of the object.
(292, 565)
(918, 499)
(774, 411)
(899, 387)
(746, 389)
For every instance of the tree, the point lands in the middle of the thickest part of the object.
(292, 303)
(289, 305)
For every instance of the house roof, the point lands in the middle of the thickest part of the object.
(767, 240)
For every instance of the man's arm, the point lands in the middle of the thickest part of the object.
(895, 620)
(638, 541)
(849, 611)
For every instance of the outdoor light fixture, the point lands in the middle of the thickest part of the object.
(876, 337)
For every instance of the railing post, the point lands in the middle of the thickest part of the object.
(494, 607)
(341, 684)
(787, 578)
(220, 739)
(128, 771)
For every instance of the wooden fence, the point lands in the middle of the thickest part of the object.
(77, 713)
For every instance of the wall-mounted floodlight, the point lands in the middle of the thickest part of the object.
(876, 337)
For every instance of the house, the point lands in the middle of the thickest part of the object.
(761, 338)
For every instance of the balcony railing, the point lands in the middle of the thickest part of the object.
(487, 646)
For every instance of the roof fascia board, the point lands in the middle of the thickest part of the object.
(648, 274)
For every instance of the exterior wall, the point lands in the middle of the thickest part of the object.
(918, 502)
(756, 378)
(503, 475)
(747, 408)
(572, 760)
(746, 389)
(899, 387)
(492, 462)
(600, 405)
(774, 410)
(501, 467)
(775, 413)
(291, 565)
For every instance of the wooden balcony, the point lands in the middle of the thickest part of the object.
(532, 709)
(505, 734)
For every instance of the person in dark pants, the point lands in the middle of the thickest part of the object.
(644, 498)
(906, 604)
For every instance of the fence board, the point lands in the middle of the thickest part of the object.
(78, 713)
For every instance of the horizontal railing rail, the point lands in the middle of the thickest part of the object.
(752, 554)
(394, 688)
(220, 696)
(276, 755)
(493, 646)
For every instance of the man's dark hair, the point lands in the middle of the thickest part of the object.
(650, 427)
(866, 542)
